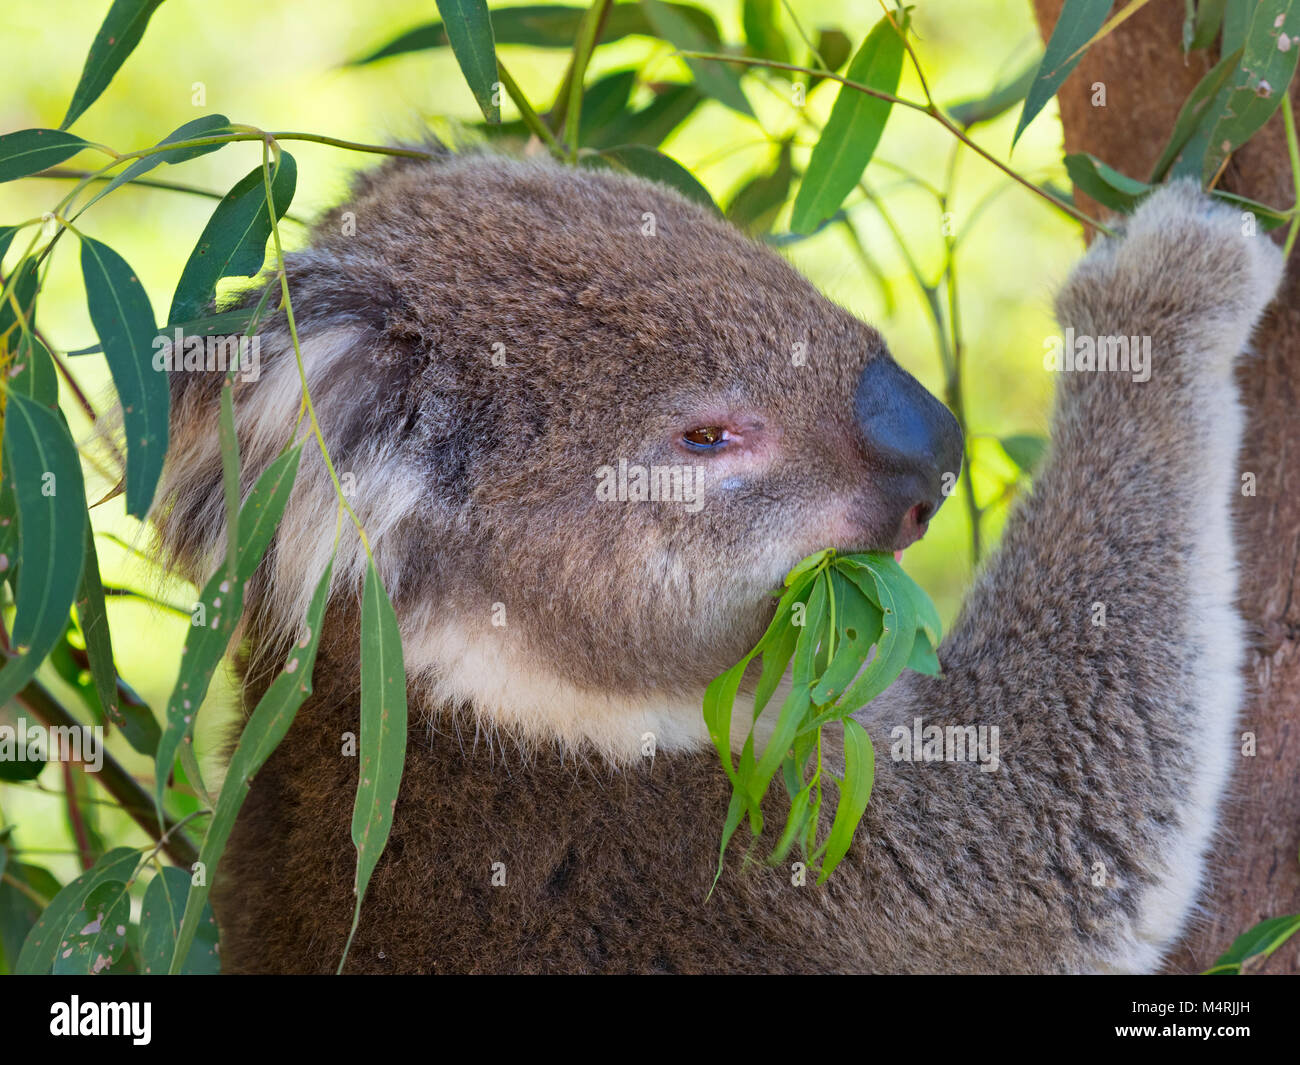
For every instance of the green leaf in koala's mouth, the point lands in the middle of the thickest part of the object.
(833, 611)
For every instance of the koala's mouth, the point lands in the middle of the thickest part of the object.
(912, 527)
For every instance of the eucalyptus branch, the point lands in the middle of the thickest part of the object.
(135, 802)
(798, 26)
(72, 173)
(932, 109)
(26, 889)
(85, 854)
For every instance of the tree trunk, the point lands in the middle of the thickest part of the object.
(1254, 872)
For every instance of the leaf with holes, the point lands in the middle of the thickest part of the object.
(1259, 83)
(95, 937)
(258, 739)
(41, 946)
(217, 612)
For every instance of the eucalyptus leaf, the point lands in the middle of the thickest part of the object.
(759, 18)
(468, 27)
(872, 602)
(605, 101)
(125, 325)
(1077, 25)
(547, 26)
(755, 206)
(1104, 183)
(1184, 154)
(383, 733)
(834, 47)
(233, 243)
(41, 462)
(92, 617)
(121, 31)
(1259, 942)
(1259, 84)
(672, 105)
(1026, 450)
(859, 623)
(95, 937)
(216, 615)
(972, 112)
(165, 902)
(1205, 27)
(854, 129)
(719, 80)
(206, 126)
(652, 164)
(855, 793)
(258, 739)
(30, 151)
(800, 698)
(899, 631)
(42, 944)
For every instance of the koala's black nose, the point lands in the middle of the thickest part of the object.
(910, 435)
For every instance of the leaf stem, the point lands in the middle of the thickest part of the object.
(1293, 153)
(592, 25)
(530, 117)
(287, 304)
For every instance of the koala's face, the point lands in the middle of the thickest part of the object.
(626, 420)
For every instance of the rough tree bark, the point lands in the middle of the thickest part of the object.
(1254, 870)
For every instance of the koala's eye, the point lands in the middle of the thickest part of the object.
(706, 436)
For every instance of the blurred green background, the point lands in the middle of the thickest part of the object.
(281, 65)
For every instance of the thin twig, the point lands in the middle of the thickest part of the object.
(85, 854)
(135, 802)
(932, 109)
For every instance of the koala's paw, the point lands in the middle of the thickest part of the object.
(1182, 259)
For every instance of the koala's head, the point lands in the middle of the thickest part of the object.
(505, 356)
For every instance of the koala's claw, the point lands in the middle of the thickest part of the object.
(1182, 258)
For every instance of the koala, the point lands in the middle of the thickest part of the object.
(496, 332)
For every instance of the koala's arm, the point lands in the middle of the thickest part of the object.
(1102, 641)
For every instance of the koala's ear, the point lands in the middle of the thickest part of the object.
(371, 414)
